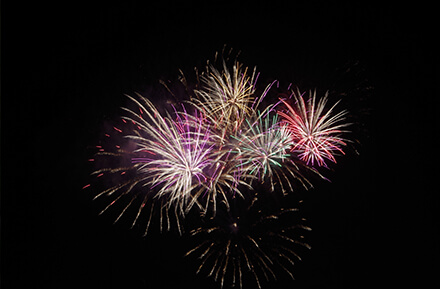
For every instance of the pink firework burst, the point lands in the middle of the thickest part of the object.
(316, 131)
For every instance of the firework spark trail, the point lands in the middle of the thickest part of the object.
(131, 191)
(252, 243)
(315, 132)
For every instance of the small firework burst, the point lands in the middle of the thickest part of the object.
(262, 149)
(316, 133)
(227, 97)
(249, 239)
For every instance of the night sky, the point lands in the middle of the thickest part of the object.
(67, 65)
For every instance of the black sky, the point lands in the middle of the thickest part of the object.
(66, 66)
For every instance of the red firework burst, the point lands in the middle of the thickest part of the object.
(316, 132)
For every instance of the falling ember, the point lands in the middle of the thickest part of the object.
(272, 241)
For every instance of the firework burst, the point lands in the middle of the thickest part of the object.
(227, 97)
(263, 151)
(176, 152)
(166, 160)
(249, 240)
(316, 133)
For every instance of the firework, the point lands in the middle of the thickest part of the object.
(263, 151)
(168, 159)
(249, 239)
(316, 133)
(224, 160)
(227, 97)
(177, 152)
(126, 187)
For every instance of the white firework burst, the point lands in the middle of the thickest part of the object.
(177, 152)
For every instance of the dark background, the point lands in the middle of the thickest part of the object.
(66, 66)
